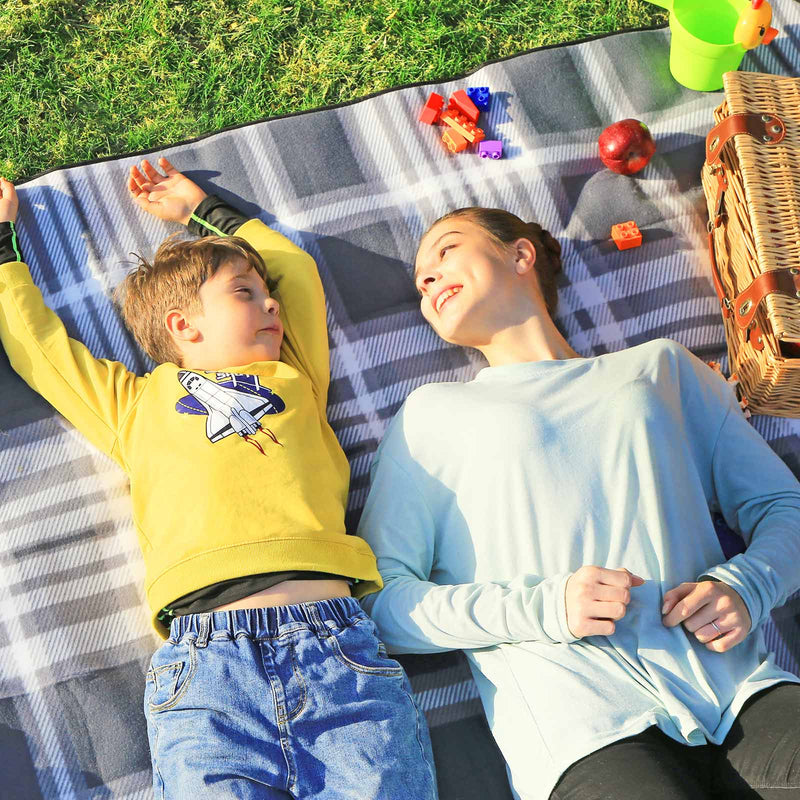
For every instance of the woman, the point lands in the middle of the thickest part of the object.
(551, 517)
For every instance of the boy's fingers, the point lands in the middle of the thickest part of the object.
(167, 167)
(151, 172)
(137, 176)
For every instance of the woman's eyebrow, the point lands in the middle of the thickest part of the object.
(433, 247)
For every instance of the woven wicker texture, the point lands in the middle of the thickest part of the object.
(761, 232)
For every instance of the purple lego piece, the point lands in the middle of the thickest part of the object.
(490, 148)
(481, 96)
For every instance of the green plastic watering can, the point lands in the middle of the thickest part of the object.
(710, 37)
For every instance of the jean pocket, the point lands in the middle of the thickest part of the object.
(360, 650)
(168, 683)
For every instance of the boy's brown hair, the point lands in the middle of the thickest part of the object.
(503, 228)
(173, 280)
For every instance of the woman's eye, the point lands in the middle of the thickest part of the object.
(445, 249)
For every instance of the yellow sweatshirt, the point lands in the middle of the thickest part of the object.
(214, 497)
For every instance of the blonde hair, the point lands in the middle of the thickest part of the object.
(173, 280)
(503, 228)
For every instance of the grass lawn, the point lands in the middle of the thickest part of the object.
(84, 79)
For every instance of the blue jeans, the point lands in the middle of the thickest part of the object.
(296, 701)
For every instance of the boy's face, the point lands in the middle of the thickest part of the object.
(238, 323)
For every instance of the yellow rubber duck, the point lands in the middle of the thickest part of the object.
(753, 27)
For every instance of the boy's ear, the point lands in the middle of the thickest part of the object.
(180, 327)
(525, 255)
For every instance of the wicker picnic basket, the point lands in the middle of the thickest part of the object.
(751, 180)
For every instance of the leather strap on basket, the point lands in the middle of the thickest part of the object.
(764, 128)
(782, 281)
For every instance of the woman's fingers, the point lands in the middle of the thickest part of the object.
(602, 610)
(596, 597)
(612, 594)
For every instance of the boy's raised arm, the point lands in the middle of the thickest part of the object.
(294, 279)
(94, 394)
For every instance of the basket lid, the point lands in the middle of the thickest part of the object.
(770, 173)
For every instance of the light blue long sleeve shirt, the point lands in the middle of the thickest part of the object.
(486, 496)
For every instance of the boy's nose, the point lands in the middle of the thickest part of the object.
(273, 306)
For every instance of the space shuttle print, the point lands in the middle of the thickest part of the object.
(232, 404)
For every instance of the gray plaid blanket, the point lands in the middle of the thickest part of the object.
(356, 186)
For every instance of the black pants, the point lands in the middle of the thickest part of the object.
(760, 758)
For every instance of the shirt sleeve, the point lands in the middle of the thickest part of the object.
(751, 487)
(95, 395)
(417, 615)
(9, 244)
(294, 282)
(759, 497)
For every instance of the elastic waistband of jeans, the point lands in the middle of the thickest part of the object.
(267, 622)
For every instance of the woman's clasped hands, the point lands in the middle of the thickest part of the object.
(597, 597)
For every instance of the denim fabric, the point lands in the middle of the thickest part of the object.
(296, 701)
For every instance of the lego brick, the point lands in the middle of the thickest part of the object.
(463, 126)
(432, 109)
(454, 141)
(626, 235)
(481, 96)
(490, 148)
(460, 102)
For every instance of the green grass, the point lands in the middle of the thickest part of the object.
(82, 80)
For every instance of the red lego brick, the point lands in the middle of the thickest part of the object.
(463, 126)
(454, 141)
(432, 109)
(626, 235)
(461, 102)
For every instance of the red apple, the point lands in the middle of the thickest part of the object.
(626, 146)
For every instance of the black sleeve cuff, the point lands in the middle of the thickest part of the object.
(214, 217)
(9, 244)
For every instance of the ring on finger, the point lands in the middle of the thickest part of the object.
(716, 627)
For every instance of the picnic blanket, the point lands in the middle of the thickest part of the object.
(356, 186)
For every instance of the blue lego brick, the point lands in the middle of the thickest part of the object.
(481, 96)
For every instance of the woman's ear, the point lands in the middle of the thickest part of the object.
(525, 255)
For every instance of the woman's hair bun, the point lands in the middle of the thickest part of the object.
(549, 243)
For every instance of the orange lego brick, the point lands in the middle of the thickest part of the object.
(454, 141)
(432, 109)
(461, 103)
(626, 235)
(463, 126)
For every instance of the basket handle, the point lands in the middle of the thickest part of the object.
(781, 281)
(765, 128)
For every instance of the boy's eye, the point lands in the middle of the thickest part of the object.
(243, 289)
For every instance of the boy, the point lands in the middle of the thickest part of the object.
(271, 682)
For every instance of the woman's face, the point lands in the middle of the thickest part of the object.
(465, 281)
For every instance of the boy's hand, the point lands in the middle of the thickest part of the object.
(711, 610)
(596, 597)
(9, 203)
(171, 196)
